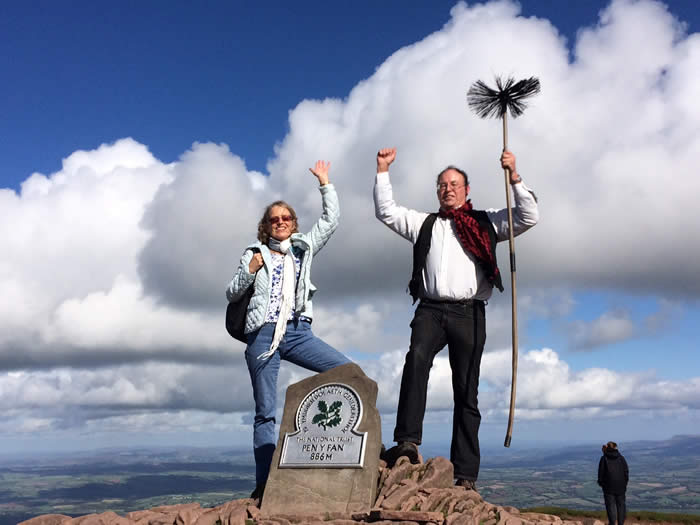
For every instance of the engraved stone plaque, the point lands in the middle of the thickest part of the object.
(326, 436)
(327, 455)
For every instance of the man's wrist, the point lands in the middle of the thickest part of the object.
(514, 179)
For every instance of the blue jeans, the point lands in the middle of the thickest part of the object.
(615, 507)
(299, 346)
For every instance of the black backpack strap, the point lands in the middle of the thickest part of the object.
(420, 253)
(255, 250)
(237, 311)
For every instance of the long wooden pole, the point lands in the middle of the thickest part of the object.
(514, 313)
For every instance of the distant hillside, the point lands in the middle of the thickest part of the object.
(664, 476)
(676, 447)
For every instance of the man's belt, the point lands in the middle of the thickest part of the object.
(463, 302)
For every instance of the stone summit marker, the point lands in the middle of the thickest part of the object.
(327, 456)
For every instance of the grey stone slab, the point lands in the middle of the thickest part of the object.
(342, 483)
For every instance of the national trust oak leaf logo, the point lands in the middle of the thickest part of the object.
(328, 416)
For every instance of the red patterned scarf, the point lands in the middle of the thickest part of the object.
(475, 240)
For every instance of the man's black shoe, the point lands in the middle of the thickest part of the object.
(410, 450)
(404, 448)
(467, 484)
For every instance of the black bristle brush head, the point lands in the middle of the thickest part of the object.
(510, 95)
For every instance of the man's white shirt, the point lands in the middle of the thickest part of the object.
(451, 273)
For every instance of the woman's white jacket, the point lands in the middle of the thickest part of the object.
(305, 245)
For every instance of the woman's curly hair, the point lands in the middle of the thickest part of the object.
(264, 224)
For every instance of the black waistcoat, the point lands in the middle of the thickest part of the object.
(422, 247)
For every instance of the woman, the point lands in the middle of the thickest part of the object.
(278, 321)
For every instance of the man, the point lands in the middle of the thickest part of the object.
(454, 272)
(613, 476)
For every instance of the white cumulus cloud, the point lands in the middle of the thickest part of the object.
(119, 259)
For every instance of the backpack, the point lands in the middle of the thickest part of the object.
(236, 314)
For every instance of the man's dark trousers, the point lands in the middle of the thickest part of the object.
(462, 327)
(615, 507)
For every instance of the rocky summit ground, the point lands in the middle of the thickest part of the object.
(407, 495)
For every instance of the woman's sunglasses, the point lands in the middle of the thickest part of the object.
(276, 220)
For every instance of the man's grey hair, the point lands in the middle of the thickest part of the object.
(451, 167)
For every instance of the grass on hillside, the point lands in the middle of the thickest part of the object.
(636, 515)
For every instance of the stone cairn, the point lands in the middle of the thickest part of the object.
(421, 494)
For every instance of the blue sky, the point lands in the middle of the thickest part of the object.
(172, 73)
(140, 141)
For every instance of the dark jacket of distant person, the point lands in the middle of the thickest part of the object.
(613, 473)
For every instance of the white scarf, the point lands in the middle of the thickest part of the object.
(288, 278)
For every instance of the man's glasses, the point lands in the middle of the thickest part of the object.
(453, 186)
(279, 218)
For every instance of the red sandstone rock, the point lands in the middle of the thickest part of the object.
(176, 508)
(413, 503)
(389, 522)
(296, 517)
(209, 517)
(592, 521)
(47, 519)
(233, 504)
(539, 517)
(383, 474)
(106, 518)
(401, 471)
(462, 519)
(506, 518)
(435, 499)
(405, 490)
(280, 521)
(450, 503)
(236, 517)
(409, 515)
(253, 512)
(162, 519)
(438, 473)
(189, 516)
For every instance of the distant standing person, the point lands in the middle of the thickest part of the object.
(613, 476)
